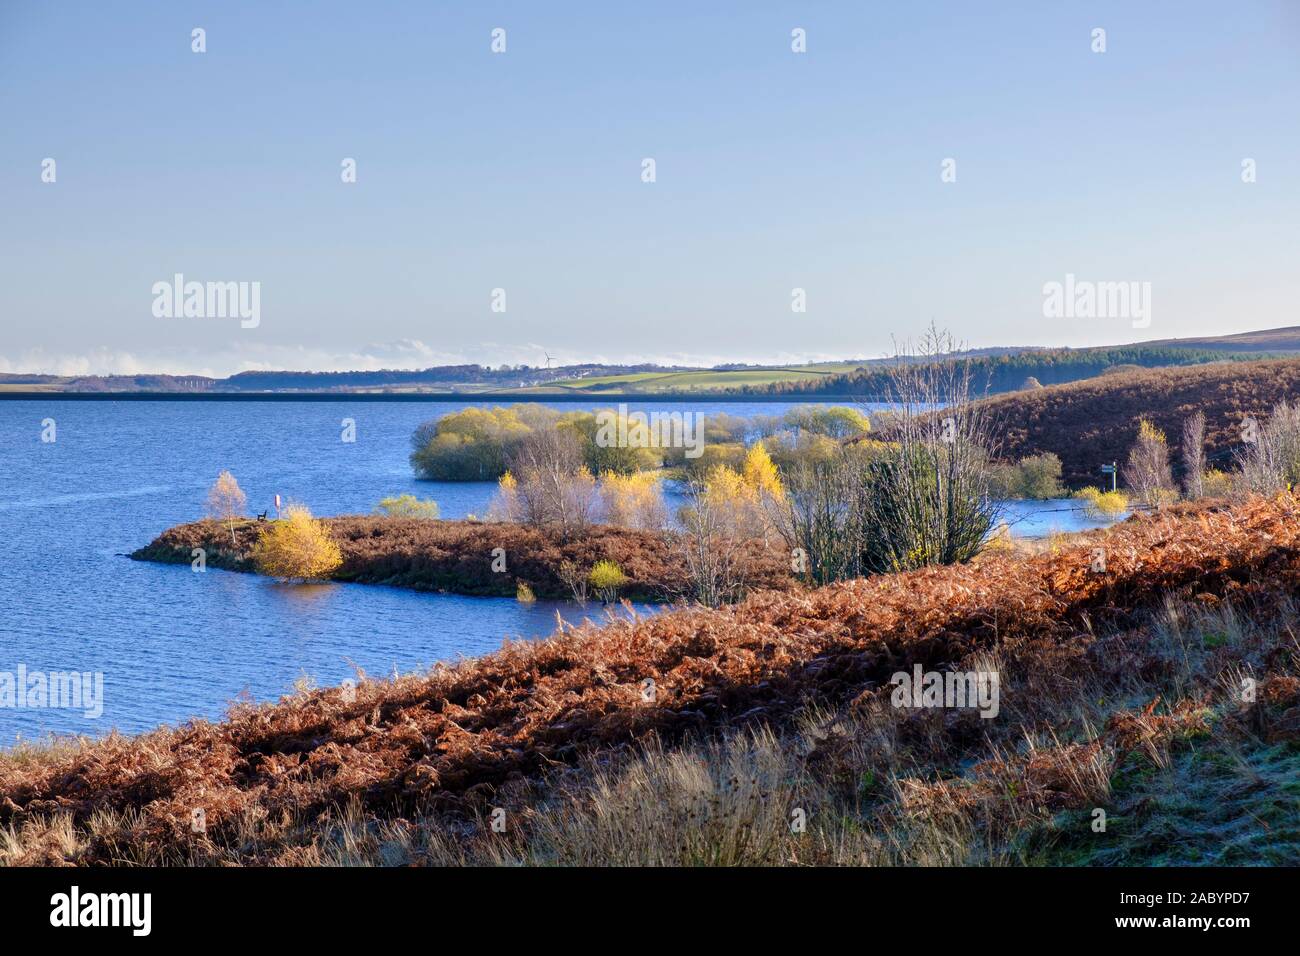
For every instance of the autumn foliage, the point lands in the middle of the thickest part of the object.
(296, 547)
(745, 499)
(459, 734)
(633, 501)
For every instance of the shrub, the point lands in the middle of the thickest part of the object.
(1041, 476)
(726, 454)
(296, 547)
(724, 443)
(742, 501)
(572, 576)
(919, 497)
(1218, 484)
(789, 451)
(1100, 504)
(821, 518)
(925, 502)
(759, 473)
(711, 552)
(836, 421)
(606, 579)
(925, 495)
(547, 484)
(1038, 476)
(722, 428)
(408, 506)
(601, 455)
(473, 444)
(524, 594)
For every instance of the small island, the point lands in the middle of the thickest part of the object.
(478, 558)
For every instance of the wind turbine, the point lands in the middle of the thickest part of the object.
(549, 360)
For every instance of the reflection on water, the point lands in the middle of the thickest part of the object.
(304, 594)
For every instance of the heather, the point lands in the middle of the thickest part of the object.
(458, 556)
(1123, 688)
(1095, 422)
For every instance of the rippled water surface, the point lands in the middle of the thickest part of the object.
(173, 644)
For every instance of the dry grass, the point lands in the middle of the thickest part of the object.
(775, 704)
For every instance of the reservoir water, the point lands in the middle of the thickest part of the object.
(173, 645)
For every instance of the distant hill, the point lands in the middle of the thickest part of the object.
(993, 374)
(1093, 422)
(1268, 340)
(106, 383)
(996, 369)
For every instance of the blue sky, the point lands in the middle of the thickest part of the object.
(522, 171)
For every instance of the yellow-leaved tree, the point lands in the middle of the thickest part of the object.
(744, 501)
(633, 501)
(226, 501)
(297, 547)
(760, 473)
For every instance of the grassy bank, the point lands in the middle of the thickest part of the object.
(1121, 691)
(458, 556)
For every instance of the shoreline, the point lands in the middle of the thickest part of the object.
(448, 397)
(457, 556)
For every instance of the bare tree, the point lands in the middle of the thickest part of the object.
(226, 501)
(711, 553)
(1147, 472)
(1194, 455)
(552, 486)
(1270, 460)
(576, 579)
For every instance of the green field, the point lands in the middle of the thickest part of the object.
(695, 381)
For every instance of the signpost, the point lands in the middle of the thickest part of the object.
(1112, 469)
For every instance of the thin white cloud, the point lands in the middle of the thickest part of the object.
(400, 354)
